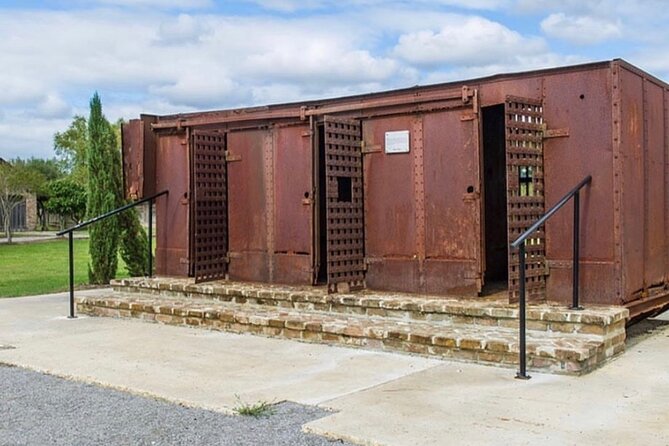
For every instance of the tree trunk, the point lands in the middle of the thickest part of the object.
(8, 226)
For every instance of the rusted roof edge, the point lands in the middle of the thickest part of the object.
(639, 72)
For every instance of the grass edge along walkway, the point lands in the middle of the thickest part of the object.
(42, 267)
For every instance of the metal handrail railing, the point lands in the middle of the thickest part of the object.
(70, 231)
(520, 245)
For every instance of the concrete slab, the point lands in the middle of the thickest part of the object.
(381, 399)
(191, 366)
(623, 403)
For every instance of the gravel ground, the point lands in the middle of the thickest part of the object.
(38, 409)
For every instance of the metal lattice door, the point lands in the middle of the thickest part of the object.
(344, 206)
(209, 216)
(525, 191)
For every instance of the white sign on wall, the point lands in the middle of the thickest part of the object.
(397, 142)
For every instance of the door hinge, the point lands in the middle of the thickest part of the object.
(370, 260)
(471, 196)
(230, 157)
(556, 133)
(365, 149)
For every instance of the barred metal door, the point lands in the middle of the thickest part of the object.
(525, 191)
(344, 207)
(209, 212)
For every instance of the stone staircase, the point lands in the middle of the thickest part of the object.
(559, 340)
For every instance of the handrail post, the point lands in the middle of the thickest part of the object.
(522, 373)
(71, 230)
(71, 252)
(150, 272)
(575, 267)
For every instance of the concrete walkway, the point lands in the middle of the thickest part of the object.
(382, 399)
(40, 236)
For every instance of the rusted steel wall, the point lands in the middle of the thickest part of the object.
(172, 212)
(269, 193)
(644, 177)
(293, 210)
(422, 208)
(149, 170)
(132, 149)
(391, 234)
(249, 232)
(580, 104)
(452, 202)
(494, 93)
(577, 108)
(138, 150)
(423, 230)
(655, 240)
(633, 210)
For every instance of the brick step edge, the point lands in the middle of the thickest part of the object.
(596, 320)
(441, 341)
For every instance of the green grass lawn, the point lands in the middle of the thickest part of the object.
(42, 267)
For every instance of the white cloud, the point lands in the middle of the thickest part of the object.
(581, 30)
(297, 5)
(289, 5)
(24, 136)
(53, 106)
(520, 64)
(633, 20)
(468, 41)
(322, 63)
(160, 4)
(186, 29)
(160, 63)
(143, 57)
(202, 89)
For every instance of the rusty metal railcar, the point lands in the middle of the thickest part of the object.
(422, 189)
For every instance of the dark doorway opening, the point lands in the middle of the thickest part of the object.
(494, 178)
(321, 210)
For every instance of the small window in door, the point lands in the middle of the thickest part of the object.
(344, 190)
(525, 181)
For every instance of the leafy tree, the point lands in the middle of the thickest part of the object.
(105, 193)
(104, 184)
(134, 244)
(15, 181)
(71, 147)
(67, 198)
(52, 170)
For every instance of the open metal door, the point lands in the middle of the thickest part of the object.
(344, 204)
(525, 191)
(209, 211)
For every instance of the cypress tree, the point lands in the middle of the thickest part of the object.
(134, 244)
(104, 184)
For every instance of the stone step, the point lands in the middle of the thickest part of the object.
(556, 352)
(548, 317)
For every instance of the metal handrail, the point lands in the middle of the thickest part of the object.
(70, 231)
(519, 244)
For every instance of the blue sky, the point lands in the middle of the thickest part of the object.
(165, 56)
